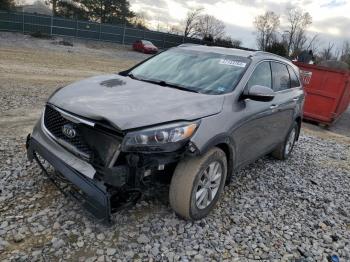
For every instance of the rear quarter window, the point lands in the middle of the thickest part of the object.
(294, 80)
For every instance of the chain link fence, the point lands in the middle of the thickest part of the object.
(56, 26)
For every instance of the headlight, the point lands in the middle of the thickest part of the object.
(165, 138)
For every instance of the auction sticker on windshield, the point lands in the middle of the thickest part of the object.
(232, 63)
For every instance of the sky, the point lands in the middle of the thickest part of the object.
(331, 18)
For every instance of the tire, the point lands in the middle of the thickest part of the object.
(190, 176)
(284, 150)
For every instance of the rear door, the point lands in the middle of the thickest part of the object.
(285, 85)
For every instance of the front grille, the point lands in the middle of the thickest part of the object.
(54, 123)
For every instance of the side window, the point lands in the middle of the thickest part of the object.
(261, 76)
(280, 76)
(294, 81)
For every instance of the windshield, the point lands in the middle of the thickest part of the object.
(146, 42)
(203, 72)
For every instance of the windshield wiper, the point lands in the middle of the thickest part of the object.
(134, 77)
(162, 83)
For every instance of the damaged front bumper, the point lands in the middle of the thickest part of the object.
(100, 190)
(92, 194)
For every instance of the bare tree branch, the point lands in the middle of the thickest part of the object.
(295, 34)
(191, 22)
(312, 43)
(266, 26)
(327, 52)
(209, 26)
(345, 52)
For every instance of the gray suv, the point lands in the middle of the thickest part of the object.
(190, 117)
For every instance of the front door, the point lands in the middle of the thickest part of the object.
(253, 136)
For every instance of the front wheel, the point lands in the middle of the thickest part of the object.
(284, 150)
(197, 184)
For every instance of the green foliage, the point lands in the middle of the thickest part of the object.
(277, 48)
(7, 4)
(208, 38)
(222, 41)
(107, 11)
(227, 42)
(67, 9)
(70, 10)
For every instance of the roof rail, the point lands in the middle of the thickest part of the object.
(188, 44)
(257, 53)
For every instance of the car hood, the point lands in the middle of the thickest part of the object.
(126, 103)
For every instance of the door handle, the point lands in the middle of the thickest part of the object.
(273, 106)
(295, 98)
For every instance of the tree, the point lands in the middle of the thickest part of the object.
(203, 26)
(70, 9)
(208, 39)
(345, 53)
(266, 26)
(139, 20)
(313, 44)
(104, 11)
(7, 4)
(107, 11)
(67, 8)
(227, 41)
(295, 36)
(191, 22)
(278, 48)
(236, 43)
(175, 29)
(327, 52)
(54, 7)
(209, 26)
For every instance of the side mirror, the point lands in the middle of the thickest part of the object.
(259, 93)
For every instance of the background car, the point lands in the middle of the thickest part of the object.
(145, 46)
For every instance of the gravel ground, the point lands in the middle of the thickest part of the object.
(80, 46)
(31, 69)
(294, 210)
(273, 210)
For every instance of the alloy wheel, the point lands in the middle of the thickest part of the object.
(208, 185)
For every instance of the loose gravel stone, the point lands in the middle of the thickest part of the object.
(18, 238)
(57, 243)
(111, 251)
(101, 236)
(143, 239)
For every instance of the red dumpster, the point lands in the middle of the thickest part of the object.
(327, 92)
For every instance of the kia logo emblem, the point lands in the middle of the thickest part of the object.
(69, 131)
